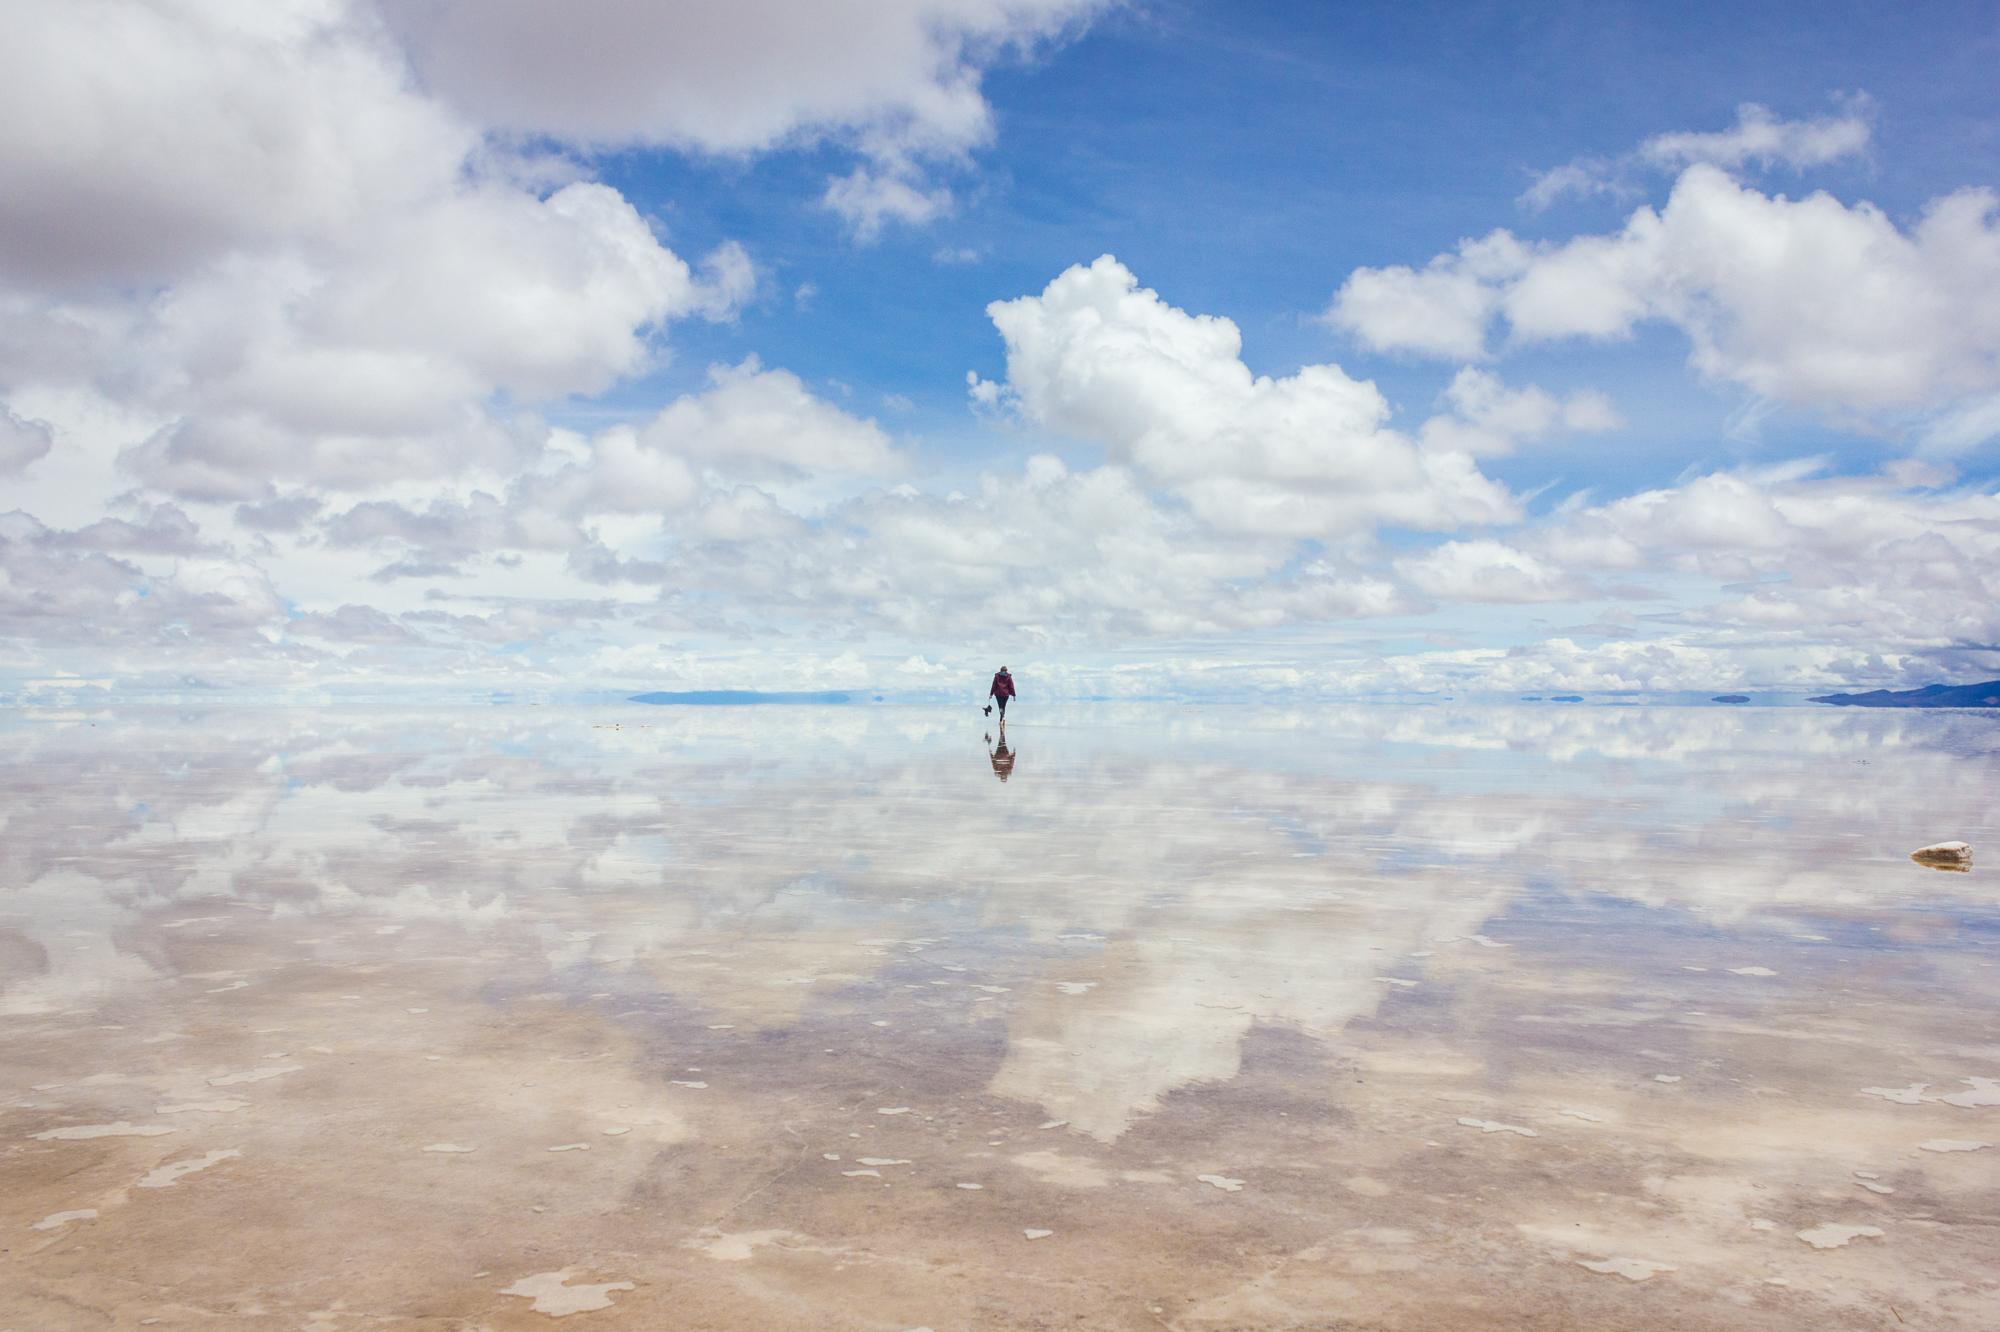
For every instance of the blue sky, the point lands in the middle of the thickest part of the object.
(487, 345)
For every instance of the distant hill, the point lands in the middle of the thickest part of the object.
(1930, 696)
(715, 698)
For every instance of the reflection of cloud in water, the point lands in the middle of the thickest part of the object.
(1241, 866)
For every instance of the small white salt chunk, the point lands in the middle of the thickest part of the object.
(1035, 1234)
(166, 1176)
(54, 1219)
(1834, 1235)
(1223, 1182)
(1495, 1126)
(1632, 1269)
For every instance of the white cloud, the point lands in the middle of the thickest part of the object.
(1758, 138)
(21, 441)
(1488, 419)
(1097, 357)
(1807, 301)
(741, 79)
(868, 199)
(752, 420)
(1490, 571)
(239, 221)
(896, 80)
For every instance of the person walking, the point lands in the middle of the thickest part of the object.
(1000, 691)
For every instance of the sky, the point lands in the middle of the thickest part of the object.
(1155, 349)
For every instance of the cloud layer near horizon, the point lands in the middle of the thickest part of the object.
(289, 291)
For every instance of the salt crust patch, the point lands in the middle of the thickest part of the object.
(1834, 1235)
(78, 1132)
(1953, 1145)
(254, 1075)
(1666, 1077)
(224, 1107)
(1589, 1116)
(1979, 1093)
(862, 1174)
(739, 1246)
(1062, 1171)
(1985, 1091)
(969, 1186)
(1751, 971)
(571, 1147)
(447, 1147)
(1632, 1269)
(893, 1110)
(166, 1176)
(1223, 1182)
(881, 1160)
(54, 1219)
(553, 1295)
(1495, 1126)
(1032, 1233)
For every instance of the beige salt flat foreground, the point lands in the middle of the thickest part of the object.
(1375, 1018)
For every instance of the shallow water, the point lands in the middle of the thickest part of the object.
(1401, 1017)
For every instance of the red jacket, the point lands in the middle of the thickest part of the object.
(1003, 685)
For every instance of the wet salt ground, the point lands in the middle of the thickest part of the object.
(1389, 1017)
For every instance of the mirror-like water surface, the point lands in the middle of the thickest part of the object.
(870, 1018)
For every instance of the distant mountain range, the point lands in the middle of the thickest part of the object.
(1930, 696)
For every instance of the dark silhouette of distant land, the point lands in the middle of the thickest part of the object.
(724, 697)
(1565, 698)
(1930, 696)
(1730, 698)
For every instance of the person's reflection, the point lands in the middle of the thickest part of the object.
(1003, 757)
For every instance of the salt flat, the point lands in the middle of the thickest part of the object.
(1398, 1016)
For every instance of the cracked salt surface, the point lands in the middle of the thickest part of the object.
(553, 1295)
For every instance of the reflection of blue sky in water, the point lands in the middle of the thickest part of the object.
(1153, 888)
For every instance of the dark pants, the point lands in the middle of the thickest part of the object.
(1001, 699)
